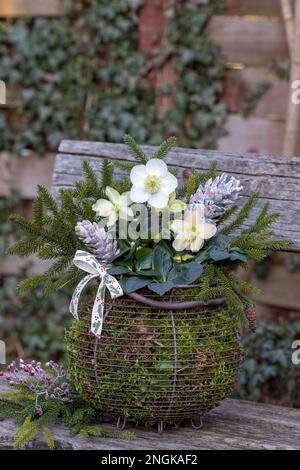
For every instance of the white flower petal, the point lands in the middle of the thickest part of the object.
(139, 194)
(177, 226)
(180, 244)
(125, 213)
(113, 217)
(158, 200)
(138, 174)
(156, 167)
(169, 183)
(125, 199)
(207, 230)
(197, 244)
(103, 207)
(112, 195)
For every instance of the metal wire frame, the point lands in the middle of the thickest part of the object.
(143, 333)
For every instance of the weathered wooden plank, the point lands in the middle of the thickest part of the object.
(253, 7)
(234, 425)
(279, 289)
(16, 8)
(12, 266)
(253, 134)
(249, 40)
(25, 173)
(239, 82)
(276, 178)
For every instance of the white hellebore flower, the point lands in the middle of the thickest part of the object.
(152, 183)
(114, 208)
(190, 233)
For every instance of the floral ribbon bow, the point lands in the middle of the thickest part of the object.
(87, 262)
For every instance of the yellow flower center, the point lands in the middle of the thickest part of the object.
(152, 184)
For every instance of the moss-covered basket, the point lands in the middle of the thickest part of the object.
(155, 365)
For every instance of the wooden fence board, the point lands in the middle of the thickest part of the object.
(279, 289)
(254, 134)
(253, 7)
(16, 8)
(239, 82)
(247, 40)
(25, 173)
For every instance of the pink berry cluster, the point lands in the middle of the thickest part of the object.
(49, 383)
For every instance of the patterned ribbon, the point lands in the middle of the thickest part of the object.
(87, 262)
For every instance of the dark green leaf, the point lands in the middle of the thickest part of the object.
(217, 254)
(126, 263)
(238, 256)
(144, 257)
(148, 273)
(117, 270)
(133, 283)
(185, 273)
(162, 262)
(161, 288)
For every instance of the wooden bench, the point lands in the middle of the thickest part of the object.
(276, 178)
(235, 424)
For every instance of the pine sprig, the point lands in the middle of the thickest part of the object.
(195, 179)
(107, 173)
(211, 173)
(50, 234)
(135, 149)
(242, 216)
(165, 147)
(192, 184)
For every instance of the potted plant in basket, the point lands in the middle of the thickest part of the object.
(155, 337)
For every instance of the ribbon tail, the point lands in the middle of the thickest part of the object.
(113, 286)
(76, 294)
(98, 310)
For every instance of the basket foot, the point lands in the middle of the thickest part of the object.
(121, 423)
(197, 422)
(160, 427)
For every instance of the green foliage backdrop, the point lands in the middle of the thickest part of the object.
(83, 77)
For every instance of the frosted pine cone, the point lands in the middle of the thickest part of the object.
(99, 243)
(217, 194)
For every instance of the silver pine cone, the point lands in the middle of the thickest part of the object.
(98, 241)
(217, 194)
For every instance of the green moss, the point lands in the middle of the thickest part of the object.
(130, 371)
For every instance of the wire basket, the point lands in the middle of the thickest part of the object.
(155, 364)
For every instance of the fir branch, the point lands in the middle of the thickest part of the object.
(23, 248)
(192, 184)
(211, 173)
(30, 283)
(127, 166)
(107, 173)
(165, 147)
(135, 149)
(26, 433)
(90, 176)
(48, 437)
(97, 431)
(38, 212)
(242, 215)
(48, 200)
(228, 213)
